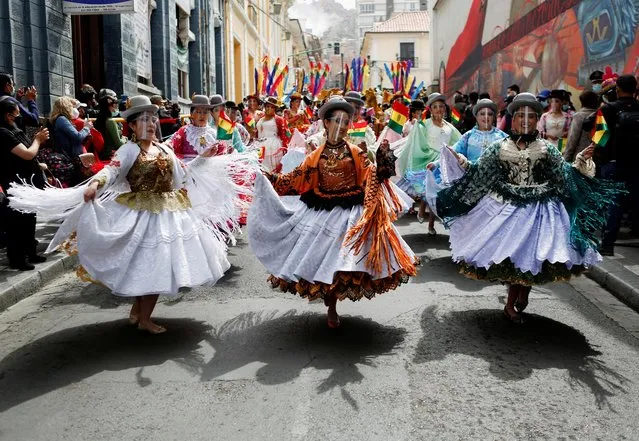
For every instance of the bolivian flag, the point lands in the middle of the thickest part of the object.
(600, 133)
(358, 129)
(250, 121)
(455, 116)
(399, 116)
(561, 144)
(225, 127)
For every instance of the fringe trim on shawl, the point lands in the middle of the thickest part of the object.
(376, 225)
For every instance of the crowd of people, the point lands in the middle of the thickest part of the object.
(526, 194)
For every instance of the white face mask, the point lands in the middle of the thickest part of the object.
(75, 113)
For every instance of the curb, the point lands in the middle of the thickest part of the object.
(12, 293)
(618, 280)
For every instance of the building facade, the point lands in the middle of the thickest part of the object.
(488, 46)
(173, 48)
(406, 36)
(370, 12)
(254, 29)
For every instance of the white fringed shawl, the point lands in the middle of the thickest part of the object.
(210, 184)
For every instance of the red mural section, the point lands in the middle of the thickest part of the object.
(556, 44)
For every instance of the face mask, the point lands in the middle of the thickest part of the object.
(144, 122)
(529, 133)
(115, 113)
(596, 88)
(565, 107)
(544, 103)
(75, 113)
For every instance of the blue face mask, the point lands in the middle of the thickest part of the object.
(596, 88)
(544, 103)
(565, 107)
(115, 113)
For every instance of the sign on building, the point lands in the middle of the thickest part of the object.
(85, 7)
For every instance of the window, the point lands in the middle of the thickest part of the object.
(412, 6)
(183, 84)
(407, 52)
(252, 13)
(366, 8)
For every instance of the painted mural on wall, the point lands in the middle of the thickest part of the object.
(543, 45)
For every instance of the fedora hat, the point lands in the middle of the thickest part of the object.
(273, 101)
(295, 96)
(255, 96)
(484, 103)
(417, 104)
(336, 102)
(200, 101)
(217, 101)
(138, 104)
(354, 97)
(435, 97)
(525, 99)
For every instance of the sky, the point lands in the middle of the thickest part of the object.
(348, 4)
(317, 22)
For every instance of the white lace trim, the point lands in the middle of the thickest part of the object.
(195, 135)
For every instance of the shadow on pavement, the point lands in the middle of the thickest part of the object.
(422, 242)
(73, 354)
(443, 269)
(288, 342)
(515, 351)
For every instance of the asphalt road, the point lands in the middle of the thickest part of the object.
(432, 360)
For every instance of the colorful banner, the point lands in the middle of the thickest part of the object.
(90, 7)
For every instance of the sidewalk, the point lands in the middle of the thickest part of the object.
(619, 274)
(17, 285)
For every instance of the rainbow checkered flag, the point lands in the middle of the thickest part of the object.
(225, 127)
(399, 116)
(600, 133)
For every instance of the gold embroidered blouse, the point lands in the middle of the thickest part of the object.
(337, 171)
(151, 181)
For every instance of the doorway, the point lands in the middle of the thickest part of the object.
(88, 51)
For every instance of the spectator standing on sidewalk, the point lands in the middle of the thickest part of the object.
(618, 159)
(66, 138)
(110, 130)
(88, 96)
(17, 162)
(579, 133)
(29, 115)
(95, 142)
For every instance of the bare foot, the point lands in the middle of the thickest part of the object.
(151, 327)
(512, 315)
(134, 315)
(333, 318)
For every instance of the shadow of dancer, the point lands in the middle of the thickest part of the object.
(514, 352)
(287, 343)
(73, 354)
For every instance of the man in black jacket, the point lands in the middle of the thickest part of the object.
(618, 159)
